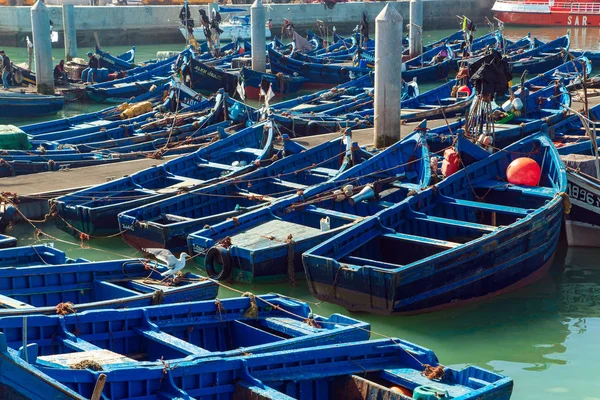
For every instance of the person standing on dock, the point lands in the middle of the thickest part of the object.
(92, 67)
(5, 69)
(60, 76)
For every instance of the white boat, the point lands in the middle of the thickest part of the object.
(233, 27)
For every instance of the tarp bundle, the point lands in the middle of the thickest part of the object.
(13, 138)
(490, 75)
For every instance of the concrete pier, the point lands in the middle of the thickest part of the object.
(415, 30)
(258, 21)
(159, 24)
(42, 48)
(68, 14)
(388, 76)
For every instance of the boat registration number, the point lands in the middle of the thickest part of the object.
(578, 193)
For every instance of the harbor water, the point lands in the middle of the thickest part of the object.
(544, 336)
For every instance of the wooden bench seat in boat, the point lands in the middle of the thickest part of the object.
(291, 185)
(454, 222)
(107, 290)
(519, 212)
(328, 172)
(331, 213)
(9, 302)
(172, 342)
(175, 218)
(421, 240)
(101, 356)
(371, 263)
(528, 190)
(250, 150)
(186, 183)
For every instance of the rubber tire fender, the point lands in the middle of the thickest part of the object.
(223, 253)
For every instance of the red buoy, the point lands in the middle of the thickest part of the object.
(465, 89)
(524, 171)
(450, 163)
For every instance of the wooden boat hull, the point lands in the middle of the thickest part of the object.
(582, 224)
(93, 212)
(90, 285)
(485, 275)
(167, 223)
(16, 105)
(267, 244)
(449, 262)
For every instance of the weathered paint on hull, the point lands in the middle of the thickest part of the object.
(482, 276)
(583, 222)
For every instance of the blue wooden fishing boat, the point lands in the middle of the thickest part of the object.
(542, 58)
(94, 210)
(88, 120)
(27, 105)
(317, 74)
(191, 331)
(366, 370)
(281, 84)
(493, 235)
(31, 285)
(122, 62)
(266, 244)
(167, 223)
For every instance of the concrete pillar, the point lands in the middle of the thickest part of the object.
(42, 48)
(415, 28)
(258, 21)
(211, 7)
(69, 31)
(388, 75)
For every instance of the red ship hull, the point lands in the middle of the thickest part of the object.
(544, 13)
(560, 19)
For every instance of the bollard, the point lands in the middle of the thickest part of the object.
(42, 48)
(388, 76)
(415, 28)
(258, 21)
(70, 33)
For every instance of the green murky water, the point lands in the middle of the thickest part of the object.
(545, 336)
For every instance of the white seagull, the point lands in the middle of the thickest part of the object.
(175, 265)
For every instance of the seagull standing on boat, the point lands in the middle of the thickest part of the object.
(173, 263)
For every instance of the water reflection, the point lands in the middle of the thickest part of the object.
(579, 287)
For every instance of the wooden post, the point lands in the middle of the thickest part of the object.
(97, 393)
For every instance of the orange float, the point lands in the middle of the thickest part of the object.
(524, 171)
(402, 390)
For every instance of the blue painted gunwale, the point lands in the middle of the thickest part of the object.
(167, 223)
(95, 209)
(122, 62)
(259, 250)
(317, 368)
(37, 288)
(502, 251)
(26, 105)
